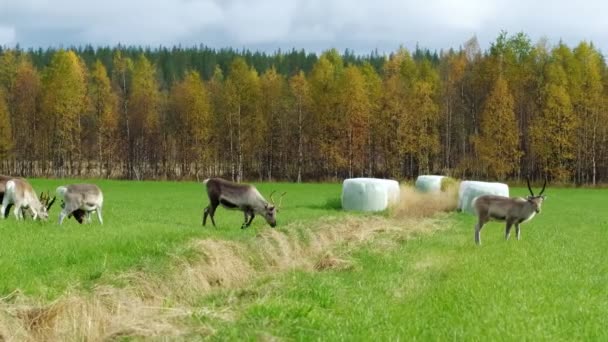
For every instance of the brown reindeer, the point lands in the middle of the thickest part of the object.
(243, 197)
(513, 211)
(18, 192)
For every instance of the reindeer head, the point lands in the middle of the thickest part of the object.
(45, 205)
(271, 210)
(536, 200)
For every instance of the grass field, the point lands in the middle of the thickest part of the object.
(435, 285)
(551, 285)
(143, 223)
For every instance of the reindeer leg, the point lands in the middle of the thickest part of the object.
(205, 213)
(518, 231)
(62, 215)
(212, 211)
(478, 227)
(99, 215)
(5, 209)
(17, 212)
(508, 230)
(251, 217)
(244, 225)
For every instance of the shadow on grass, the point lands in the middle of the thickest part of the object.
(331, 204)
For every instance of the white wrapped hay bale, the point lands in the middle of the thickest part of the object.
(429, 183)
(369, 194)
(470, 189)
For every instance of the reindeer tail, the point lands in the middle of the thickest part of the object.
(61, 191)
(206, 180)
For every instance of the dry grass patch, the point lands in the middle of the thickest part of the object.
(418, 204)
(149, 306)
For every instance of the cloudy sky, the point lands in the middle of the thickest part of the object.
(315, 25)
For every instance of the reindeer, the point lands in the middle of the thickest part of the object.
(80, 199)
(513, 211)
(3, 180)
(244, 197)
(20, 193)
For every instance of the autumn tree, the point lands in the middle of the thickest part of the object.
(63, 103)
(189, 101)
(328, 123)
(144, 108)
(242, 95)
(6, 141)
(220, 134)
(27, 119)
(554, 130)
(425, 116)
(497, 144)
(373, 90)
(103, 115)
(398, 131)
(121, 81)
(300, 91)
(588, 100)
(354, 107)
(273, 103)
(452, 71)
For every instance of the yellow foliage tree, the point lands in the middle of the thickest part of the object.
(273, 92)
(300, 91)
(242, 96)
(354, 106)
(26, 117)
(6, 141)
(497, 144)
(63, 102)
(144, 115)
(553, 134)
(103, 109)
(190, 102)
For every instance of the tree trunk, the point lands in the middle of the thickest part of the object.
(239, 175)
(300, 148)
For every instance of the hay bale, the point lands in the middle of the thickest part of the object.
(470, 189)
(429, 183)
(369, 194)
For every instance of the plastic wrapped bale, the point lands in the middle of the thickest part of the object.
(470, 189)
(429, 183)
(369, 194)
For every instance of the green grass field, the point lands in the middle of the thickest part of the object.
(143, 223)
(551, 285)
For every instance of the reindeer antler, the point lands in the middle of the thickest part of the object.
(281, 200)
(49, 204)
(544, 185)
(271, 199)
(529, 188)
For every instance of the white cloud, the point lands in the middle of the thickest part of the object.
(314, 24)
(7, 35)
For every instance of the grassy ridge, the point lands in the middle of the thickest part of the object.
(143, 223)
(551, 285)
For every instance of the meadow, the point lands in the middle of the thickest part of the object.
(144, 222)
(382, 276)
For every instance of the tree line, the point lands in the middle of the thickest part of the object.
(517, 109)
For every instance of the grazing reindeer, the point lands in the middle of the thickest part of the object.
(3, 180)
(79, 199)
(513, 211)
(20, 193)
(244, 197)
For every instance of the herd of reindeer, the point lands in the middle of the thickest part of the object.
(81, 200)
